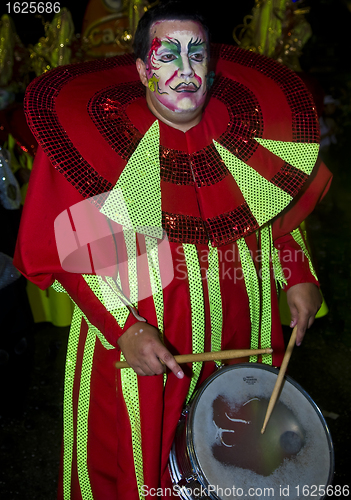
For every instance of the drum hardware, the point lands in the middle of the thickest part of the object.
(190, 487)
(187, 480)
(185, 411)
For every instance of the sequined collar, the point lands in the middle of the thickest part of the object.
(243, 85)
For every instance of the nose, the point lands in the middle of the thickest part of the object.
(186, 68)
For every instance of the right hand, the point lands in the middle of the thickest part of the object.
(144, 351)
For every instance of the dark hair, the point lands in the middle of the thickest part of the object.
(173, 10)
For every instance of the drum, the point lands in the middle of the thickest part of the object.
(219, 452)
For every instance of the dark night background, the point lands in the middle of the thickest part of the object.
(31, 407)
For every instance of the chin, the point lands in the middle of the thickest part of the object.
(185, 105)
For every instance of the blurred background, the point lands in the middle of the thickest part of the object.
(311, 37)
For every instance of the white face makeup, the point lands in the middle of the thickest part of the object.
(176, 68)
(177, 65)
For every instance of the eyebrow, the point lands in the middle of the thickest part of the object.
(195, 44)
(174, 45)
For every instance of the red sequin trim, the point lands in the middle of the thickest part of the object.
(39, 107)
(304, 115)
(184, 228)
(208, 167)
(107, 110)
(245, 117)
(290, 179)
(204, 168)
(232, 225)
(175, 166)
(219, 230)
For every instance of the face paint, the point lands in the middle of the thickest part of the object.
(177, 65)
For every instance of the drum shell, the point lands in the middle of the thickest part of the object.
(186, 473)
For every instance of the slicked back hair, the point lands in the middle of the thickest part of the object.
(173, 10)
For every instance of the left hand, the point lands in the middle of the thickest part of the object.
(304, 300)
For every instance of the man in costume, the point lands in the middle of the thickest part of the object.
(209, 183)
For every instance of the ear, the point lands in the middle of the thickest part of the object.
(141, 69)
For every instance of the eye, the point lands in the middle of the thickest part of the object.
(198, 57)
(167, 58)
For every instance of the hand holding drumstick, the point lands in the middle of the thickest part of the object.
(147, 355)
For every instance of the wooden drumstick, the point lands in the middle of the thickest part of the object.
(279, 381)
(210, 356)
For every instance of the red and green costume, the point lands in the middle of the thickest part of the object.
(229, 194)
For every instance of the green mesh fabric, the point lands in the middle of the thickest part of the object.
(215, 299)
(109, 295)
(277, 266)
(155, 278)
(135, 201)
(266, 317)
(264, 198)
(94, 283)
(156, 284)
(296, 234)
(130, 390)
(83, 403)
(253, 292)
(300, 155)
(68, 425)
(82, 417)
(58, 287)
(197, 309)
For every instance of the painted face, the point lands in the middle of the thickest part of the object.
(176, 68)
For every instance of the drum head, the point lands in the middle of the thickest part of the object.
(224, 425)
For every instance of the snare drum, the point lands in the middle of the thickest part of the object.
(219, 452)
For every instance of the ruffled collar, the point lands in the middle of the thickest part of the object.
(236, 170)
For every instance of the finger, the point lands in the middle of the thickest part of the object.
(148, 371)
(302, 325)
(138, 370)
(293, 322)
(141, 368)
(152, 365)
(155, 367)
(294, 315)
(171, 363)
(294, 318)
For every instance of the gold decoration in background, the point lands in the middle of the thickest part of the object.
(14, 58)
(108, 30)
(135, 11)
(7, 44)
(109, 26)
(277, 29)
(53, 49)
(13, 55)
